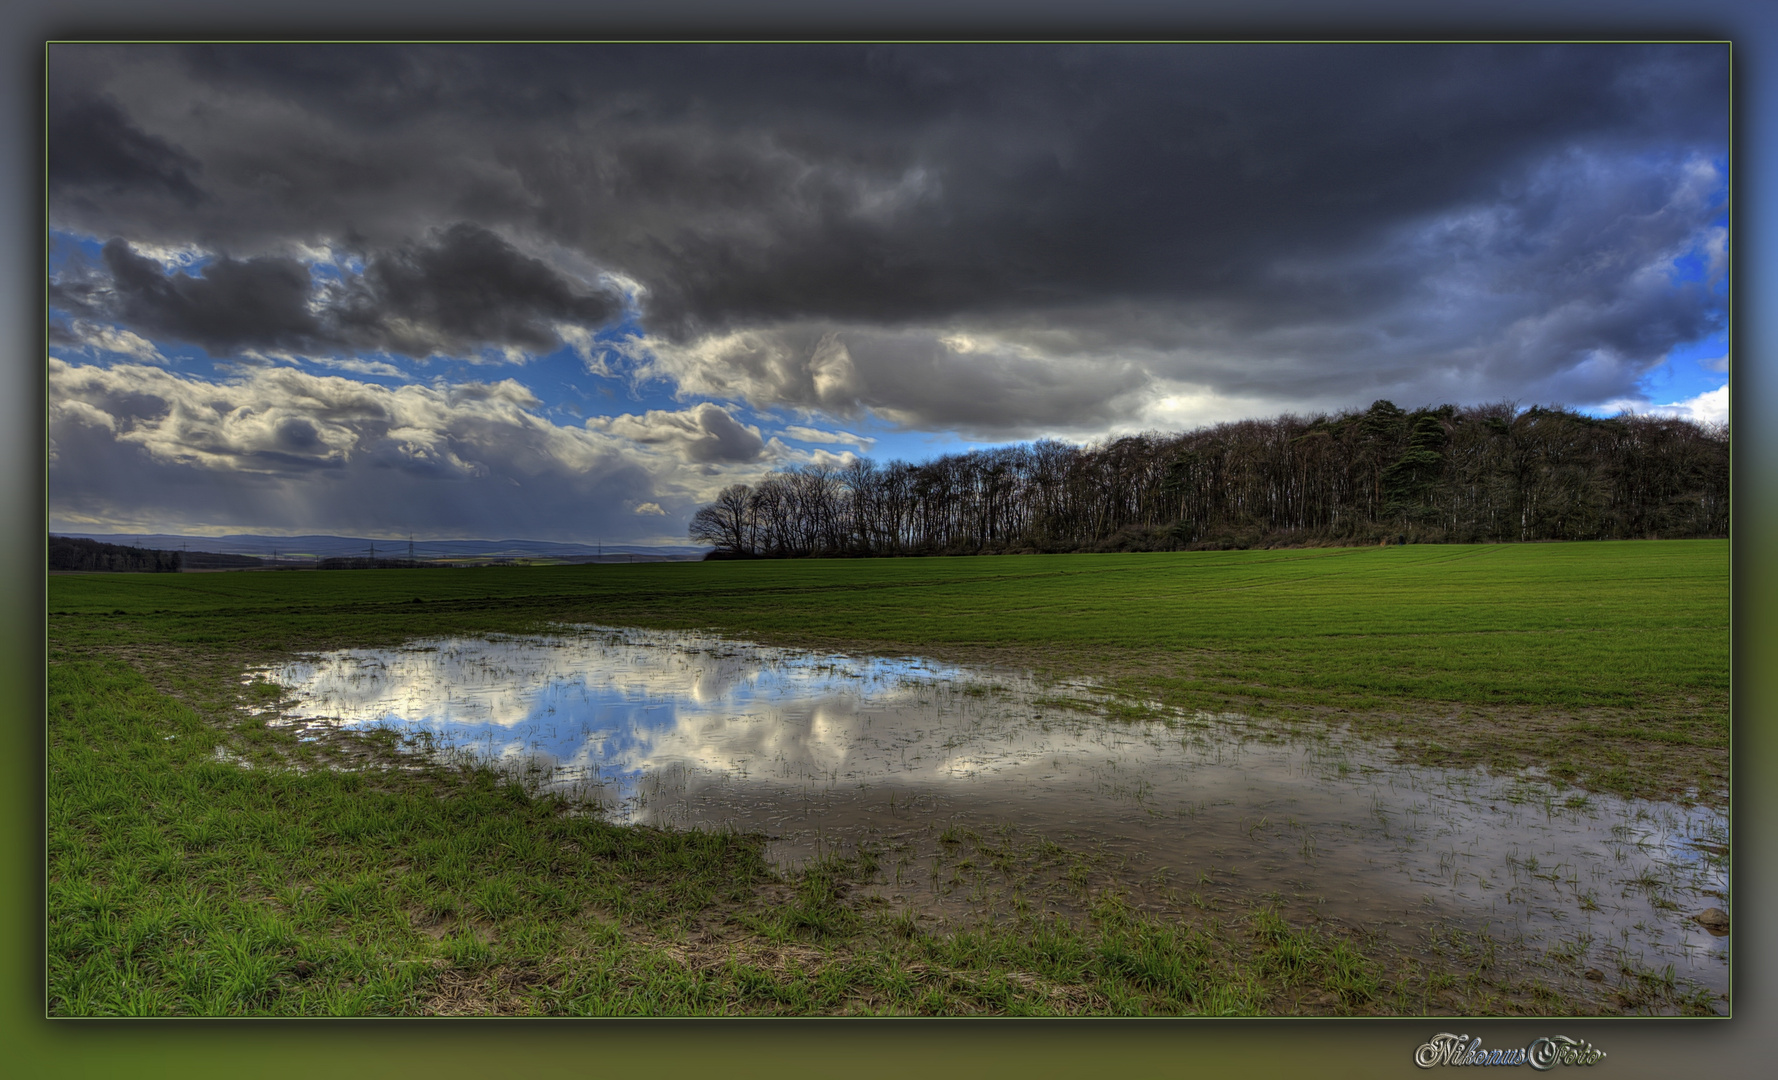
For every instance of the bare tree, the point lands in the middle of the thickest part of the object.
(725, 524)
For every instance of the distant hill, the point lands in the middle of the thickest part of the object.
(312, 548)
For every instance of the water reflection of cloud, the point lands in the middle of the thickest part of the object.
(613, 701)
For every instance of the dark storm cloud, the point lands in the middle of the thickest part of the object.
(464, 289)
(467, 287)
(262, 301)
(1248, 218)
(93, 148)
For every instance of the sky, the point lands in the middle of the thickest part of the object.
(569, 292)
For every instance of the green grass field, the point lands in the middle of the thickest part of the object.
(181, 883)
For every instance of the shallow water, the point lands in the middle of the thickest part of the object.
(825, 751)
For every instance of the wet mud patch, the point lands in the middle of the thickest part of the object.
(976, 792)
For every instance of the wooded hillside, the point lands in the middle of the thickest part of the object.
(1445, 475)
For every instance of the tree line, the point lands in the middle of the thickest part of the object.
(1451, 474)
(365, 562)
(74, 553)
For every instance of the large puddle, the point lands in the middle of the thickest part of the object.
(823, 752)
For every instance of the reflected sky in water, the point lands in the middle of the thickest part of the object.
(610, 705)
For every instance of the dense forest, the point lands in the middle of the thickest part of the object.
(1443, 475)
(71, 553)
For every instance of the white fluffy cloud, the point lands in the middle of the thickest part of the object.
(1710, 407)
(359, 366)
(278, 446)
(101, 338)
(705, 433)
(278, 419)
(916, 378)
(802, 433)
